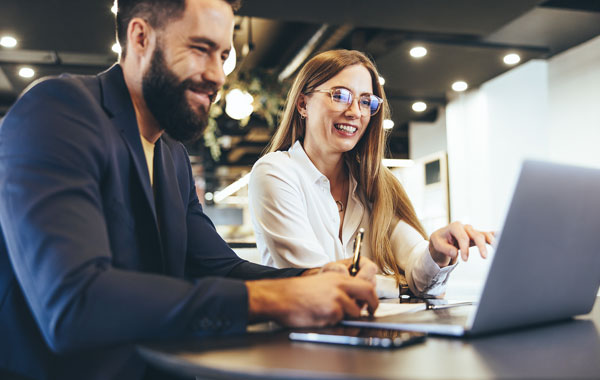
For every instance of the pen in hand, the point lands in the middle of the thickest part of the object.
(356, 256)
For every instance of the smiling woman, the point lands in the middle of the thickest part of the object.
(323, 180)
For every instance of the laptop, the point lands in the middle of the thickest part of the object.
(546, 265)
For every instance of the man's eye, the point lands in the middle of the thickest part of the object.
(201, 49)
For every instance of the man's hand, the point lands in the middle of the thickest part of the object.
(319, 300)
(366, 269)
(445, 243)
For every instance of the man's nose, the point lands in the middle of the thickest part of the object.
(214, 72)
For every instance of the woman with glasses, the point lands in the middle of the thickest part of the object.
(323, 180)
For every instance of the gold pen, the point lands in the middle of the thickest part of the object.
(356, 258)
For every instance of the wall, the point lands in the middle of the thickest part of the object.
(574, 99)
(427, 138)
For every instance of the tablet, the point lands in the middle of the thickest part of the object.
(363, 337)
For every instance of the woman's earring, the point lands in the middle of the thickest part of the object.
(302, 117)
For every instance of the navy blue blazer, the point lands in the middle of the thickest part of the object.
(92, 260)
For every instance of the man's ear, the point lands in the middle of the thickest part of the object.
(139, 37)
(301, 105)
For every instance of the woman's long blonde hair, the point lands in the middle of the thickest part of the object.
(385, 196)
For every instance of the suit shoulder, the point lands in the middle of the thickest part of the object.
(66, 83)
(50, 97)
(65, 103)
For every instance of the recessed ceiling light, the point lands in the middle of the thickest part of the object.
(209, 196)
(388, 124)
(418, 52)
(116, 48)
(26, 72)
(512, 59)
(381, 80)
(419, 106)
(460, 86)
(8, 41)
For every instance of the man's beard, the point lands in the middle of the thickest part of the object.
(165, 97)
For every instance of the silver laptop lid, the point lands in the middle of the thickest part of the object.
(547, 261)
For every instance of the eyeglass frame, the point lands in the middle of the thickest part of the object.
(331, 90)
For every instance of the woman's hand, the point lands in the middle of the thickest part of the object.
(445, 243)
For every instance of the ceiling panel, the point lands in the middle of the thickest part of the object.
(64, 25)
(419, 15)
(557, 29)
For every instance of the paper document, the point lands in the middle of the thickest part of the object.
(385, 309)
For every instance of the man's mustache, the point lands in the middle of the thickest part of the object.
(208, 88)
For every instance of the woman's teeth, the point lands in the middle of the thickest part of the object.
(345, 128)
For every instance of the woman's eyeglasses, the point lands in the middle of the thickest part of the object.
(369, 104)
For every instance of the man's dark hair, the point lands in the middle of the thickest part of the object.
(155, 12)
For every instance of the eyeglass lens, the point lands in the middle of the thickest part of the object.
(369, 104)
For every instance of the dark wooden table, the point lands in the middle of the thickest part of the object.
(568, 350)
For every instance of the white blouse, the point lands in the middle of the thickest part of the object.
(296, 222)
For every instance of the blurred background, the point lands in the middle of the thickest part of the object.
(475, 86)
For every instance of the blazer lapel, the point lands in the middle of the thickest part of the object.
(171, 213)
(116, 102)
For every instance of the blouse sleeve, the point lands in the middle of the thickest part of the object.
(424, 276)
(280, 219)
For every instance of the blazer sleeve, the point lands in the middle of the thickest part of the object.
(52, 157)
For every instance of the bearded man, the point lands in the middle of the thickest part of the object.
(104, 243)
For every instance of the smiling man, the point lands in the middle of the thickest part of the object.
(104, 243)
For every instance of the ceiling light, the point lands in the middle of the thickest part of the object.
(114, 9)
(230, 62)
(388, 124)
(419, 106)
(238, 104)
(418, 52)
(8, 41)
(209, 196)
(116, 48)
(512, 59)
(381, 80)
(26, 72)
(460, 86)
